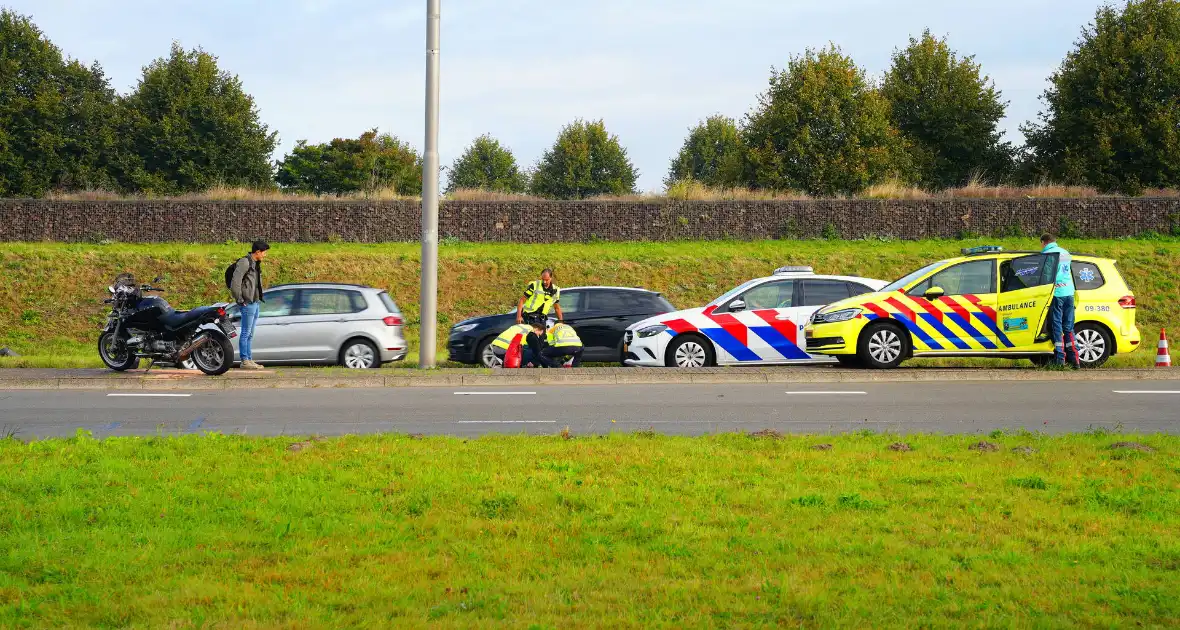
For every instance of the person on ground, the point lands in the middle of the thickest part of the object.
(534, 345)
(246, 288)
(562, 342)
(500, 344)
(540, 297)
(1061, 309)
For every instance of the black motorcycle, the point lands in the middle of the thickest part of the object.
(146, 327)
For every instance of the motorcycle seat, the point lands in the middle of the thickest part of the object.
(179, 319)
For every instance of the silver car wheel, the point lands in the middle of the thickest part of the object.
(359, 356)
(489, 358)
(885, 346)
(690, 354)
(1091, 346)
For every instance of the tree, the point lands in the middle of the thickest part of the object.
(487, 165)
(585, 161)
(822, 128)
(712, 154)
(192, 127)
(1112, 117)
(343, 166)
(56, 116)
(949, 112)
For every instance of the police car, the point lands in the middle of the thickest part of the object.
(985, 303)
(757, 323)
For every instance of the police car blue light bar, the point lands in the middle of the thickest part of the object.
(982, 249)
(793, 269)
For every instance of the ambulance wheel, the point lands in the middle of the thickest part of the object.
(689, 351)
(883, 346)
(1094, 344)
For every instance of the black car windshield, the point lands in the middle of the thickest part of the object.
(901, 283)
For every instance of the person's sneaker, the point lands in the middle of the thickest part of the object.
(250, 365)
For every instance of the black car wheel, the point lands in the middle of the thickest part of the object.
(486, 356)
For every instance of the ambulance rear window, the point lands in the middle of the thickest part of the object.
(1087, 276)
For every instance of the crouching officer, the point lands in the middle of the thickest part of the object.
(562, 342)
(500, 344)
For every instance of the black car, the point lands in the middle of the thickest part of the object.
(600, 315)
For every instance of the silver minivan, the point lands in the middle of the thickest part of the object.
(325, 323)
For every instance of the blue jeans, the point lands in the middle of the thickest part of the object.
(1061, 326)
(246, 335)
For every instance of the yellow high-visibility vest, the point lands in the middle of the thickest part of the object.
(563, 336)
(505, 339)
(538, 299)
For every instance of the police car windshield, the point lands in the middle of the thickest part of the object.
(901, 283)
(732, 293)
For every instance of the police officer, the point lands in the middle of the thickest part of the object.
(1061, 309)
(500, 344)
(562, 341)
(540, 297)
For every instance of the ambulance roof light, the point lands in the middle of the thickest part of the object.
(982, 249)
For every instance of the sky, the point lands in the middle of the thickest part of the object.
(521, 69)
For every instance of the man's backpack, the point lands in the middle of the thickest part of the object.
(229, 275)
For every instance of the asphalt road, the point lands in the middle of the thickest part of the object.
(961, 407)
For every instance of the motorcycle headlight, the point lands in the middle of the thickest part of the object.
(651, 331)
(462, 328)
(833, 317)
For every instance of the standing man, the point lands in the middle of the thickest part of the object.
(540, 297)
(246, 287)
(1061, 309)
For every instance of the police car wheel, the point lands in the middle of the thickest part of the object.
(689, 351)
(883, 346)
(1093, 344)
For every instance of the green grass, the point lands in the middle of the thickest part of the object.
(51, 300)
(622, 531)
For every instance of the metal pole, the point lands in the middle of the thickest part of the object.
(427, 338)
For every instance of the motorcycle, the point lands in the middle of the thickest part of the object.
(140, 326)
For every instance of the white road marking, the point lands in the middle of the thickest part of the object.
(148, 395)
(832, 393)
(495, 393)
(1146, 391)
(505, 422)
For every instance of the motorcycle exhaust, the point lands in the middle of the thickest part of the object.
(193, 347)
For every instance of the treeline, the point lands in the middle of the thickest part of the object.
(1111, 120)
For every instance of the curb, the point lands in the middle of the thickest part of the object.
(17, 379)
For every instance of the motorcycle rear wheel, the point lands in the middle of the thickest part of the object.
(115, 354)
(215, 357)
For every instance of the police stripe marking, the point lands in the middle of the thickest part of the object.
(727, 342)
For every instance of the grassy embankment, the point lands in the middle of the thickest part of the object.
(50, 301)
(622, 531)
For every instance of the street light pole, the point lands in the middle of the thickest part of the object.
(427, 337)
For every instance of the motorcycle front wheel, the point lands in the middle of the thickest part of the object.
(115, 354)
(215, 357)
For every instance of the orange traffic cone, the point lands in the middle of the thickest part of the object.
(512, 357)
(1161, 356)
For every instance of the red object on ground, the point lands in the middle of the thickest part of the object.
(512, 357)
(1162, 359)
